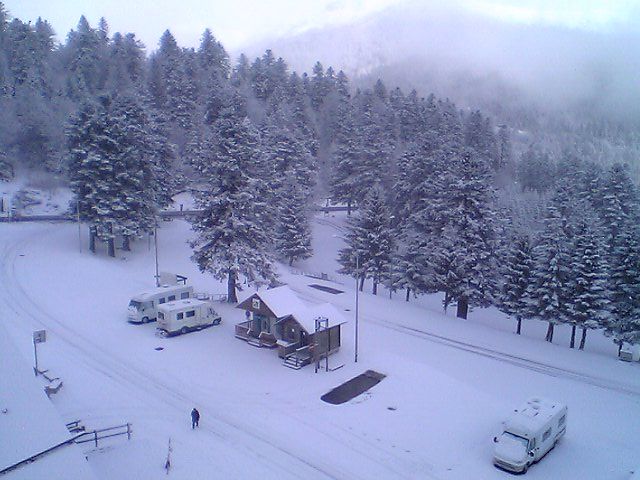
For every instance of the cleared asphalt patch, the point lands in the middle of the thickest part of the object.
(335, 291)
(353, 388)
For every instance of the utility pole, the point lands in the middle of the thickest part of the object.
(155, 242)
(357, 288)
(79, 226)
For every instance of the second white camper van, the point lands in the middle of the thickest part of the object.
(529, 433)
(143, 307)
(183, 316)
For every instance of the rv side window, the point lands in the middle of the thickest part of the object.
(161, 315)
(180, 316)
(546, 435)
(171, 298)
(161, 300)
(563, 419)
(184, 295)
(191, 313)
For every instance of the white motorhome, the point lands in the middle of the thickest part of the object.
(182, 316)
(529, 433)
(143, 307)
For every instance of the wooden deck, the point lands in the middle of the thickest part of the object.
(262, 339)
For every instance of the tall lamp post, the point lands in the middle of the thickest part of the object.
(155, 243)
(357, 288)
(357, 255)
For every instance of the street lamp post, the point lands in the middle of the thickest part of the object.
(155, 243)
(357, 255)
(357, 288)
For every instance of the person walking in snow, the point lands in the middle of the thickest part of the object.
(195, 418)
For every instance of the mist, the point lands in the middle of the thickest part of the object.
(439, 48)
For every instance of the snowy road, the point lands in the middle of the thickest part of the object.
(262, 419)
(276, 457)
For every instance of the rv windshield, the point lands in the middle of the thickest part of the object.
(135, 304)
(511, 437)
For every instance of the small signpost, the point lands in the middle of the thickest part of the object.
(39, 336)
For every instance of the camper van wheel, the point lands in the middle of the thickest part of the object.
(184, 330)
(145, 319)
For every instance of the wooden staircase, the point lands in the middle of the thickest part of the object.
(298, 359)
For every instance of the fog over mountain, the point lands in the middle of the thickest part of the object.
(477, 60)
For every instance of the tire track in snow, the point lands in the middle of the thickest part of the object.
(515, 360)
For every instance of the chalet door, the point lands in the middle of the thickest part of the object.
(260, 323)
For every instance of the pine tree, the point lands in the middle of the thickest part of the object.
(624, 324)
(463, 235)
(231, 240)
(547, 294)
(293, 232)
(516, 276)
(111, 169)
(589, 299)
(374, 238)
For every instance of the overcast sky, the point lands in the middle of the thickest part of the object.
(238, 23)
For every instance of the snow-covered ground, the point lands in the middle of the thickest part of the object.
(449, 382)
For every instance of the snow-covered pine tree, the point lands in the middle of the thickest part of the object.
(6, 169)
(293, 232)
(343, 182)
(535, 171)
(588, 301)
(85, 59)
(548, 291)
(231, 240)
(624, 324)
(127, 65)
(516, 278)
(93, 150)
(374, 239)
(461, 249)
(111, 168)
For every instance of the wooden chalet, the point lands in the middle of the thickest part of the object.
(277, 318)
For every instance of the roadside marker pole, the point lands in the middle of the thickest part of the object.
(39, 336)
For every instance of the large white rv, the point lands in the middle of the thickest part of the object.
(182, 316)
(529, 433)
(143, 307)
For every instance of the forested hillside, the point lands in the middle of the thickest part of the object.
(443, 203)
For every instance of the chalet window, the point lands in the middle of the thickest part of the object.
(184, 295)
(191, 313)
(546, 435)
(171, 298)
(161, 300)
(180, 316)
(255, 303)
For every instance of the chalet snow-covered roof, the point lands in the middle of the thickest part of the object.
(282, 301)
(285, 303)
(308, 315)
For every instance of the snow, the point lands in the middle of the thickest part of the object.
(29, 423)
(449, 383)
(533, 415)
(281, 300)
(307, 317)
(27, 196)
